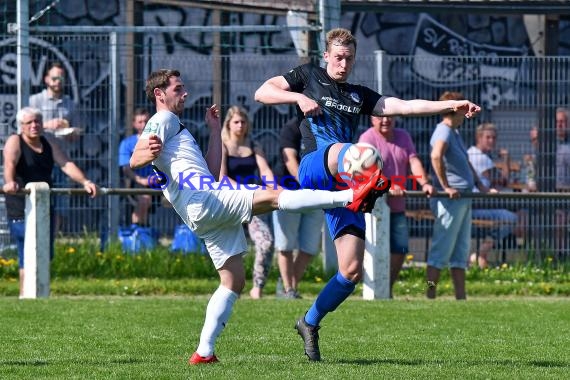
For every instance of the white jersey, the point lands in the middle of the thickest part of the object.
(181, 159)
(481, 162)
(215, 215)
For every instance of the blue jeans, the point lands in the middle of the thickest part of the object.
(508, 218)
(18, 234)
(451, 233)
(399, 234)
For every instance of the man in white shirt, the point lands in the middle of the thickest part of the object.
(491, 177)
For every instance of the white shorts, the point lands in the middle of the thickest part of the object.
(217, 217)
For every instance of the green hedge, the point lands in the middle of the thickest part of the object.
(83, 258)
(79, 267)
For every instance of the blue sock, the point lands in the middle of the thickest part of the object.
(333, 294)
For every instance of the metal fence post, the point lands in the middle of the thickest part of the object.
(376, 279)
(37, 242)
(113, 207)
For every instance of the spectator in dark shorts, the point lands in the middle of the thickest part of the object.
(30, 157)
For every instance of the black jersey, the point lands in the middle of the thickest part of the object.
(289, 137)
(341, 103)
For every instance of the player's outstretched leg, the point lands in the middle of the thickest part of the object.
(218, 313)
(367, 192)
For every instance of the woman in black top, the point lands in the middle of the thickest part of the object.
(244, 164)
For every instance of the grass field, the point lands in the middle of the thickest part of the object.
(152, 337)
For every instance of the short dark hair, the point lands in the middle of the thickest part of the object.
(158, 79)
(140, 111)
(451, 95)
(54, 64)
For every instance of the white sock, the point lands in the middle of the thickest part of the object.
(307, 199)
(217, 315)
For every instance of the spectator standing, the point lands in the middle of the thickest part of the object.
(332, 107)
(491, 177)
(400, 158)
(452, 227)
(244, 162)
(137, 178)
(211, 209)
(57, 108)
(562, 217)
(30, 157)
(61, 119)
(300, 231)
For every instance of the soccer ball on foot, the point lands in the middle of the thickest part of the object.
(361, 160)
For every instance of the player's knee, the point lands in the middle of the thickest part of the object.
(240, 285)
(335, 154)
(352, 273)
(234, 283)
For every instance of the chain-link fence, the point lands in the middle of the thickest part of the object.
(516, 93)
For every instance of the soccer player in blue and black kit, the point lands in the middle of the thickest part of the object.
(331, 107)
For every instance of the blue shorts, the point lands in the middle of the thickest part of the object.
(399, 235)
(314, 174)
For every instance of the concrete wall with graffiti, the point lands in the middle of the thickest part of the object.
(395, 33)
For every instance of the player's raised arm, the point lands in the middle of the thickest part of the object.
(391, 106)
(146, 150)
(214, 153)
(276, 90)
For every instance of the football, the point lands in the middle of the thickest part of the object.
(361, 159)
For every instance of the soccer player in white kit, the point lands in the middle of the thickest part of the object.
(214, 210)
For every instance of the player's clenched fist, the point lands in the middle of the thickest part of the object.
(154, 145)
(213, 117)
